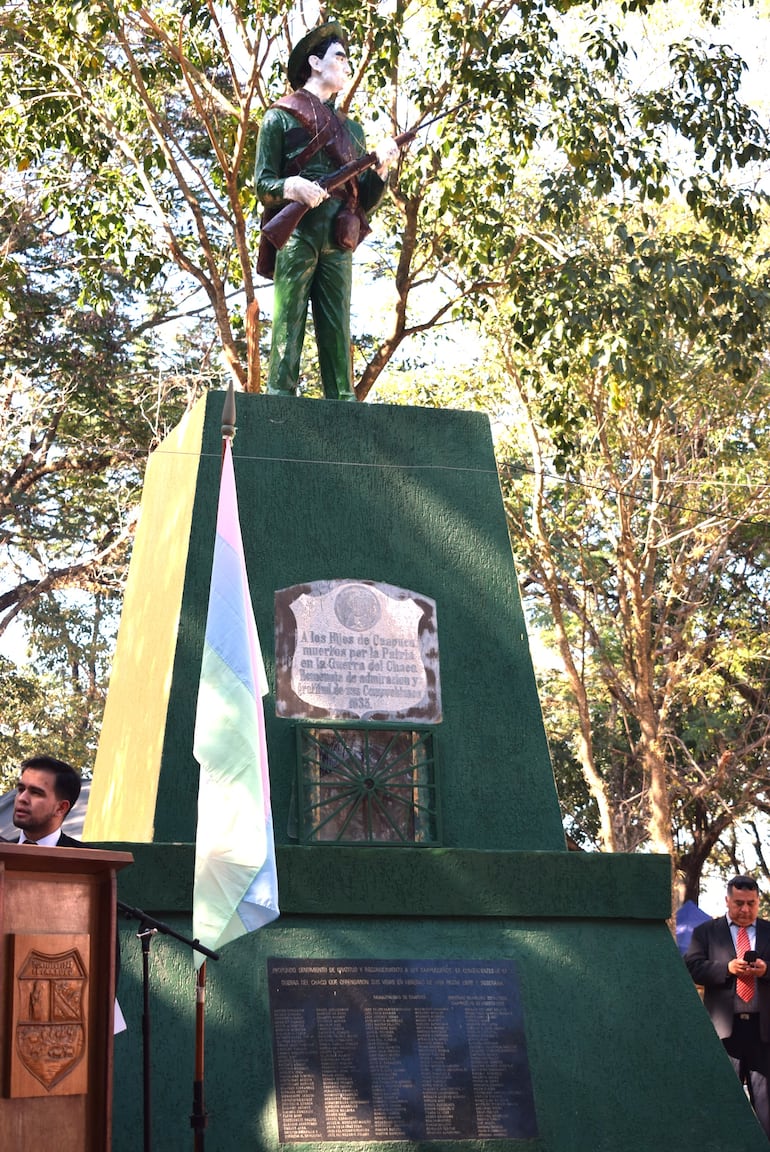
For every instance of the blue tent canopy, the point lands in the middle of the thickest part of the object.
(688, 917)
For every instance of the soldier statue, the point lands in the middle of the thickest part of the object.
(302, 139)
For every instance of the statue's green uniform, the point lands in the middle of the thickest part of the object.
(310, 267)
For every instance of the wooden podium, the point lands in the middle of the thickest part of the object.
(57, 995)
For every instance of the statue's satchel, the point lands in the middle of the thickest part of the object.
(266, 251)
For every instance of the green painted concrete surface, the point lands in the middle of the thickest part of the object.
(403, 496)
(622, 1055)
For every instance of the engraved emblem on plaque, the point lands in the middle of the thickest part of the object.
(356, 607)
(50, 1032)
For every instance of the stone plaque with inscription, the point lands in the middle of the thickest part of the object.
(356, 650)
(382, 1050)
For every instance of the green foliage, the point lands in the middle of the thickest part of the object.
(139, 124)
(646, 558)
(82, 404)
(43, 715)
(646, 305)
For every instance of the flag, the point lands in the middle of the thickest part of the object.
(236, 885)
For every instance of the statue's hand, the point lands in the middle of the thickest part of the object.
(304, 191)
(387, 153)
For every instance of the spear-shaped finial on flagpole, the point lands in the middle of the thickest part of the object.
(228, 414)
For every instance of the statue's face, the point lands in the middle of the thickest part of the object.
(332, 69)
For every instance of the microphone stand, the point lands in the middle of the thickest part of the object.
(149, 927)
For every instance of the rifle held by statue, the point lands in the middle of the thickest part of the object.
(280, 227)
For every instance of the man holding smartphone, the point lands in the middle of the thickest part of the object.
(729, 957)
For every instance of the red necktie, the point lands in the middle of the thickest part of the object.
(744, 985)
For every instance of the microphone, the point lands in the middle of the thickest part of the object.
(750, 957)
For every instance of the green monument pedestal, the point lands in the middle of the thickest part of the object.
(409, 992)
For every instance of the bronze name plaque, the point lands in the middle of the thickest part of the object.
(382, 1050)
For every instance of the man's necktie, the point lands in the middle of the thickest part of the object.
(744, 985)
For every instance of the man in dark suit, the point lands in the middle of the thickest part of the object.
(729, 957)
(47, 789)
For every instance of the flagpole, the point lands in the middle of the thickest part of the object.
(199, 1117)
(235, 888)
(228, 416)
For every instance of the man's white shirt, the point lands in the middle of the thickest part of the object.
(752, 931)
(49, 841)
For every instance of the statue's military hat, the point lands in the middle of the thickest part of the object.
(305, 48)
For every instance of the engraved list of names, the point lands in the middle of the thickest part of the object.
(399, 1050)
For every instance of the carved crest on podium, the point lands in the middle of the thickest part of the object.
(50, 1018)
